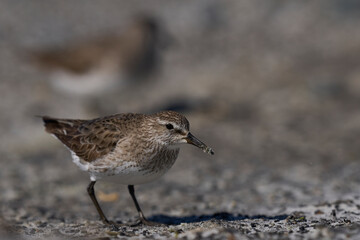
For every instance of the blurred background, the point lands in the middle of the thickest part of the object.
(272, 86)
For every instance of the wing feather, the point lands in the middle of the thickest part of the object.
(91, 139)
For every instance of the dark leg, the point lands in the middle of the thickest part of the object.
(141, 215)
(91, 192)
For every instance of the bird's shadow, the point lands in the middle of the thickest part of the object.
(170, 220)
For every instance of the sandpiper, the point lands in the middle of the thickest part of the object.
(106, 62)
(136, 148)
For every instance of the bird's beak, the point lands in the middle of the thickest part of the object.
(191, 139)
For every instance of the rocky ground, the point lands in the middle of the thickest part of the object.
(273, 87)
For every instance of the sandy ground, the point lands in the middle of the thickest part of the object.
(273, 87)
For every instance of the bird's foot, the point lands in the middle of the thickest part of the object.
(114, 225)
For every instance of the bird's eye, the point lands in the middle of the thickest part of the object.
(169, 126)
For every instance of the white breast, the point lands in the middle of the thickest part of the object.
(113, 167)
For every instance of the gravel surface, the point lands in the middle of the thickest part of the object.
(273, 87)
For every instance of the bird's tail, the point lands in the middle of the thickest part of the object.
(59, 126)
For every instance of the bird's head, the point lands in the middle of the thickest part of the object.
(172, 129)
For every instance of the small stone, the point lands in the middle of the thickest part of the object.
(333, 213)
(112, 233)
(318, 212)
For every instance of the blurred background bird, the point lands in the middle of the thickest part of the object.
(105, 63)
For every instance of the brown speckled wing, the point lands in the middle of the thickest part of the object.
(90, 139)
